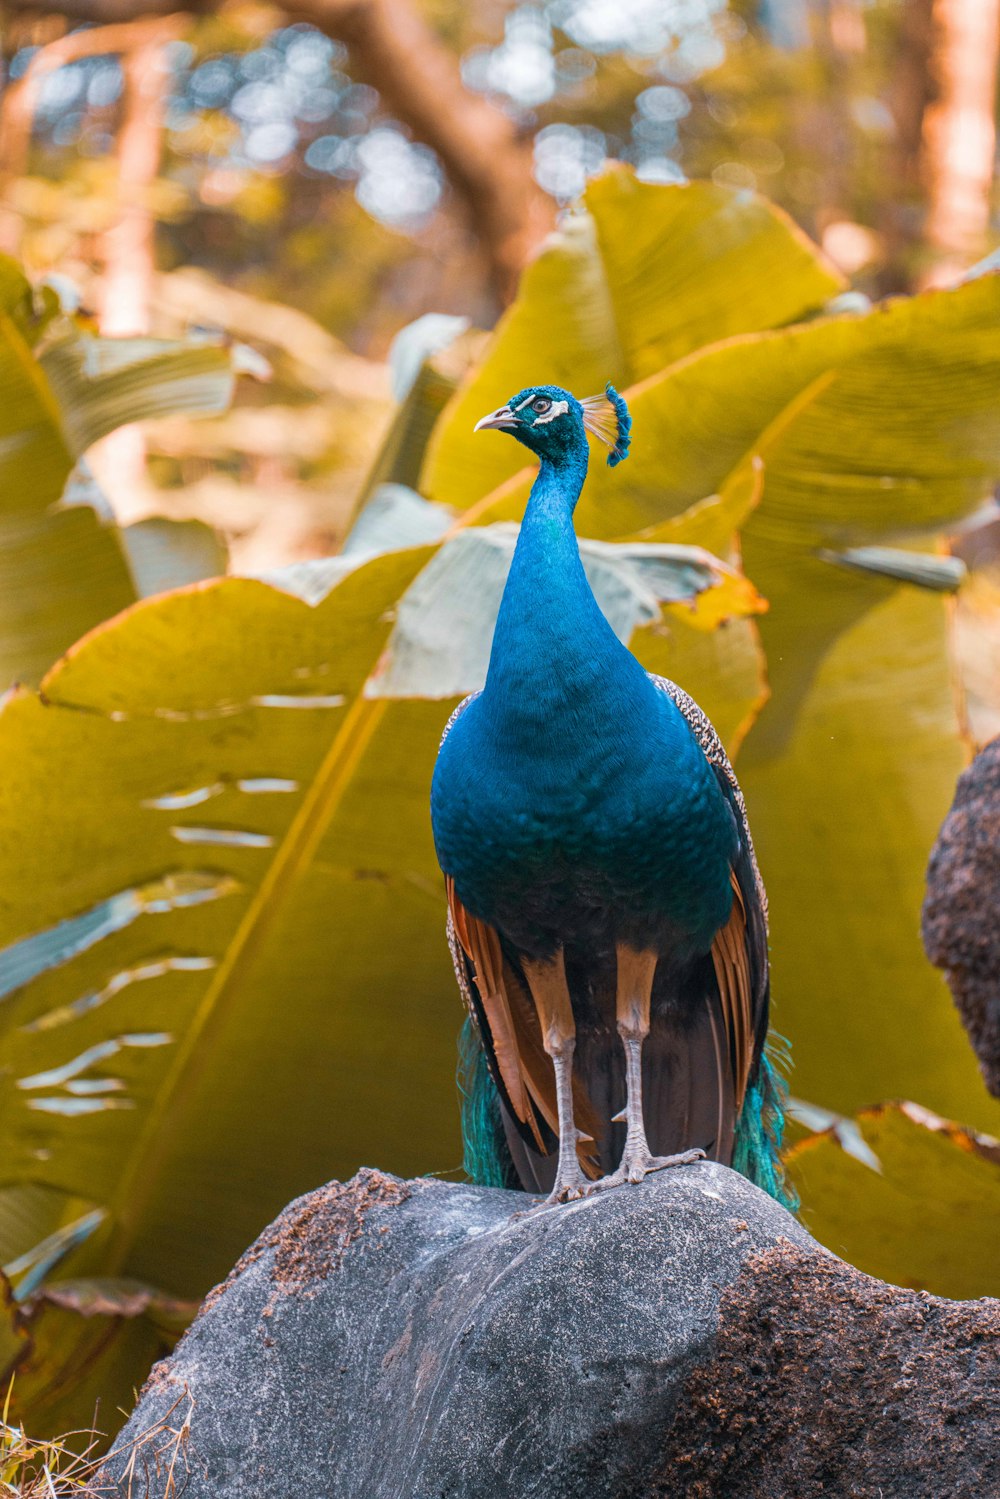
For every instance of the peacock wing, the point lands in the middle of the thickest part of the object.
(484, 980)
(739, 950)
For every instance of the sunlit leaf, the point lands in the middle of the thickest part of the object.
(851, 766)
(222, 804)
(646, 275)
(440, 644)
(929, 1218)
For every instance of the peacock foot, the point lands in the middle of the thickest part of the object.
(637, 1164)
(570, 1183)
(569, 1186)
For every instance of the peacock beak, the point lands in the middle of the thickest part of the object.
(503, 419)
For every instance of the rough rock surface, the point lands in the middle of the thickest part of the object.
(418, 1340)
(961, 921)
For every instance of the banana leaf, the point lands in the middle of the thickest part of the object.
(924, 1211)
(223, 976)
(63, 566)
(644, 276)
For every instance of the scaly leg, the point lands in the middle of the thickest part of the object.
(549, 990)
(635, 987)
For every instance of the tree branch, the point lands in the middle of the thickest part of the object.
(485, 159)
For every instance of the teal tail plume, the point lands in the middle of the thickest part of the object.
(757, 1155)
(486, 1159)
(761, 1125)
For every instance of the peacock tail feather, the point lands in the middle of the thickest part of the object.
(486, 1159)
(761, 1125)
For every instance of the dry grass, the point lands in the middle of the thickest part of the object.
(156, 1463)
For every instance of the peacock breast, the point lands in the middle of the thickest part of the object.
(574, 824)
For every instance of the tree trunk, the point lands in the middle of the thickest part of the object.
(119, 461)
(959, 135)
(910, 91)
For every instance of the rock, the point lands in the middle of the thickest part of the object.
(420, 1340)
(961, 919)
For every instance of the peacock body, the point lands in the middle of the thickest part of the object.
(607, 918)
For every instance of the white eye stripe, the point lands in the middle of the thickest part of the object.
(558, 407)
(524, 403)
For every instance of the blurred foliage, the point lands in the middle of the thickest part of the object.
(64, 565)
(284, 178)
(284, 174)
(640, 280)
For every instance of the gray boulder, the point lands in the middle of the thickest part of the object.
(387, 1339)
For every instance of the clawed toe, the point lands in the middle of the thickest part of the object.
(642, 1167)
(605, 1183)
(565, 1191)
(634, 1168)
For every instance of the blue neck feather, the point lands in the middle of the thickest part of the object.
(551, 639)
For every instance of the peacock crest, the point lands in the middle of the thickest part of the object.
(607, 418)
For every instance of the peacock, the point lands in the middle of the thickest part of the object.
(606, 916)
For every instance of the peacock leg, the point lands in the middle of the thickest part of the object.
(550, 992)
(634, 991)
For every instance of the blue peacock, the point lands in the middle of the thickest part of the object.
(607, 918)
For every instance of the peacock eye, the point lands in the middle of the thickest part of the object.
(541, 405)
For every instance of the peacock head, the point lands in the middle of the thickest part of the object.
(553, 423)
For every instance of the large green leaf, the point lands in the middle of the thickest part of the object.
(645, 275)
(440, 644)
(223, 975)
(924, 1212)
(206, 1008)
(870, 426)
(63, 569)
(847, 791)
(876, 426)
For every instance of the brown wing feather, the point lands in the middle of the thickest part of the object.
(507, 1011)
(482, 945)
(740, 949)
(731, 958)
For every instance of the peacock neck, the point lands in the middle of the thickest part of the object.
(552, 644)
